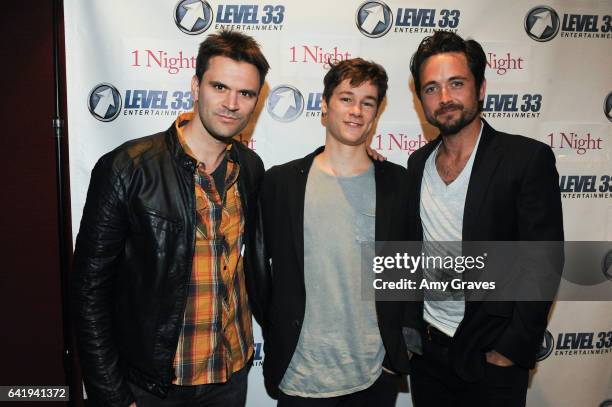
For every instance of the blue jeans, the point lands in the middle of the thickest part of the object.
(229, 394)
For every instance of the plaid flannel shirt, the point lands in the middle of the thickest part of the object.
(216, 338)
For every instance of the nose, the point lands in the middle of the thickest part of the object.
(445, 95)
(231, 102)
(356, 110)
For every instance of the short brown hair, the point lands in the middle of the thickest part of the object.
(358, 71)
(233, 45)
(442, 42)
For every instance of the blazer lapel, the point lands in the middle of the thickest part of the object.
(486, 161)
(296, 193)
(384, 202)
(416, 173)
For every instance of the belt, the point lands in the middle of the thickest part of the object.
(434, 335)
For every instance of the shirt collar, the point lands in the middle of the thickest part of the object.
(179, 124)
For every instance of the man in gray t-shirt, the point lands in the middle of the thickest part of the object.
(325, 345)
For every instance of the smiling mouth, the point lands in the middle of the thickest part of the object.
(353, 124)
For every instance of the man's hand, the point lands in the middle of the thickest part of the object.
(497, 359)
(374, 155)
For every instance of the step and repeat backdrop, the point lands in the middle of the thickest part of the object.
(549, 77)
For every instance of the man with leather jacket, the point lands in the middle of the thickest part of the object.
(164, 280)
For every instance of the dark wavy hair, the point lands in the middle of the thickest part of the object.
(442, 42)
(358, 71)
(233, 45)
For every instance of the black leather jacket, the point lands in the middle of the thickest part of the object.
(133, 260)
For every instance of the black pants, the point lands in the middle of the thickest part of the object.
(229, 394)
(382, 393)
(434, 383)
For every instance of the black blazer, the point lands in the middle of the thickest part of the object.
(283, 214)
(513, 195)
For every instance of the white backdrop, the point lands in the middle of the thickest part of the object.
(129, 65)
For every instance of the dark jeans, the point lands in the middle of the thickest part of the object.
(433, 382)
(229, 394)
(382, 393)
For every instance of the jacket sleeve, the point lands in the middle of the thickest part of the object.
(99, 244)
(259, 264)
(265, 204)
(413, 311)
(539, 219)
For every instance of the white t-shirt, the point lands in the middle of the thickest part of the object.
(441, 212)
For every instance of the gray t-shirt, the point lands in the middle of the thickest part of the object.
(340, 350)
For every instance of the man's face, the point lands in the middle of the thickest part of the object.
(448, 92)
(351, 112)
(226, 96)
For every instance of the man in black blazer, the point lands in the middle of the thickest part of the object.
(325, 345)
(473, 183)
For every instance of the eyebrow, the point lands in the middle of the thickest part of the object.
(372, 98)
(348, 92)
(452, 78)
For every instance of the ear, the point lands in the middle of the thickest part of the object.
(483, 90)
(323, 106)
(195, 87)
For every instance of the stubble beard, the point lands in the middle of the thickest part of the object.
(225, 138)
(453, 127)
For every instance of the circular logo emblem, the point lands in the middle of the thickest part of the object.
(608, 106)
(374, 19)
(542, 23)
(285, 103)
(606, 265)
(104, 102)
(193, 17)
(547, 346)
